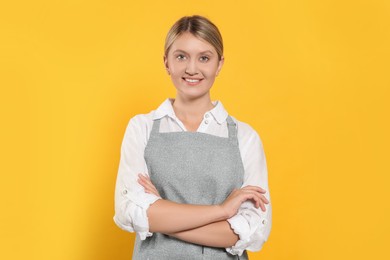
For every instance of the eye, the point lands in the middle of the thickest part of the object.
(204, 58)
(180, 57)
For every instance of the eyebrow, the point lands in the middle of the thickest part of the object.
(203, 52)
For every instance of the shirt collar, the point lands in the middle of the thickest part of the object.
(166, 109)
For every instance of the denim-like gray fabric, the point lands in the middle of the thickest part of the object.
(190, 168)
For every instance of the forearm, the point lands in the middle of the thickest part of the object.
(217, 234)
(169, 217)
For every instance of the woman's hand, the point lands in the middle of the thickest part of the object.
(239, 196)
(147, 184)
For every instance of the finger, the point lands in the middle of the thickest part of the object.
(262, 206)
(250, 195)
(142, 176)
(144, 183)
(148, 186)
(254, 192)
(256, 199)
(155, 190)
(145, 176)
(151, 192)
(255, 188)
(259, 200)
(147, 179)
(264, 199)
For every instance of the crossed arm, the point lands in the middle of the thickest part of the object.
(200, 224)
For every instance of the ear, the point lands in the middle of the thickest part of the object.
(166, 64)
(220, 64)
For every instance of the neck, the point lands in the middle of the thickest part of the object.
(191, 109)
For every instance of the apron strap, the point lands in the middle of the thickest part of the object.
(231, 129)
(155, 127)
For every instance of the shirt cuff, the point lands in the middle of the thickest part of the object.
(135, 212)
(250, 229)
(241, 228)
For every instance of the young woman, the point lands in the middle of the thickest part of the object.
(192, 180)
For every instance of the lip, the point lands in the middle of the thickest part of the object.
(192, 81)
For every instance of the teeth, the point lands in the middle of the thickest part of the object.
(192, 80)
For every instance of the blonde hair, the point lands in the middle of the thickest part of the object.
(198, 26)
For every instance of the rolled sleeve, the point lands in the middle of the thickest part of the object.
(252, 225)
(130, 214)
(131, 200)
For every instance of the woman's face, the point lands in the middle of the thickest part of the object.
(193, 65)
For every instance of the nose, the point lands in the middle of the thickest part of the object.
(191, 68)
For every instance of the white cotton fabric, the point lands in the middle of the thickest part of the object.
(252, 225)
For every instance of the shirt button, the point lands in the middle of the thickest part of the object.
(207, 115)
(206, 122)
(124, 192)
(263, 221)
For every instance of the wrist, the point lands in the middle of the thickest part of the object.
(221, 213)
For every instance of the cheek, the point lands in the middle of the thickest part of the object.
(177, 68)
(210, 71)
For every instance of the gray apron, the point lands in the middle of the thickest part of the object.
(190, 168)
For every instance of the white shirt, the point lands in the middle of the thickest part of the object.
(131, 202)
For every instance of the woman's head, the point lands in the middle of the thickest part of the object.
(193, 56)
(198, 26)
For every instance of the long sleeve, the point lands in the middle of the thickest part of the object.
(131, 201)
(252, 225)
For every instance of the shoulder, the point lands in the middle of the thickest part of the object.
(246, 134)
(141, 120)
(139, 126)
(145, 120)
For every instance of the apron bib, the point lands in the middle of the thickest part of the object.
(190, 168)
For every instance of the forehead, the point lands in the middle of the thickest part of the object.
(191, 44)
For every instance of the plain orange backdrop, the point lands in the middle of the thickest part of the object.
(312, 77)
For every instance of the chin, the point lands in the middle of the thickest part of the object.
(192, 95)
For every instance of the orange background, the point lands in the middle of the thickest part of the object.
(312, 77)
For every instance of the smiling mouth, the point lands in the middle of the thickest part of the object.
(192, 81)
